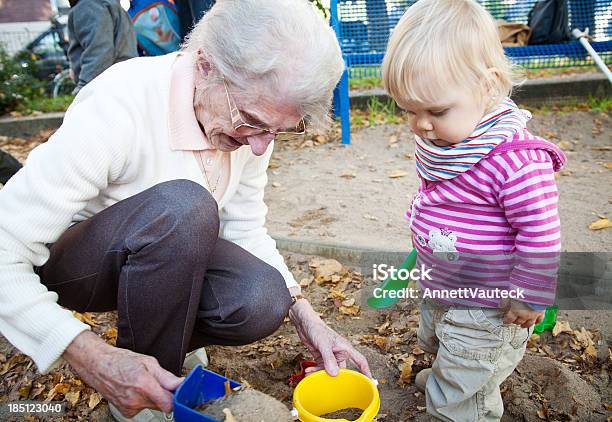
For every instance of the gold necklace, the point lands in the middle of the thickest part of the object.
(213, 189)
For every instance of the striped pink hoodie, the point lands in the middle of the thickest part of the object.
(495, 225)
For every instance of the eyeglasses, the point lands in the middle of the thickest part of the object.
(242, 127)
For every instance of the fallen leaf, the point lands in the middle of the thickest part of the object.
(73, 396)
(393, 140)
(584, 337)
(602, 148)
(406, 370)
(397, 174)
(421, 408)
(531, 343)
(349, 302)
(565, 145)
(350, 310)
(228, 415)
(24, 391)
(408, 156)
(276, 184)
(348, 174)
(417, 351)
(62, 388)
(602, 223)
(320, 139)
(305, 282)
(542, 413)
(325, 269)
(561, 327)
(85, 317)
(94, 400)
(36, 391)
(590, 352)
(608, 166)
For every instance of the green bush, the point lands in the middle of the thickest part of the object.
(17, 85)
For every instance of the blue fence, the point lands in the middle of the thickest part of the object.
(363, 28)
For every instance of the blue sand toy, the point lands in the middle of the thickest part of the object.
(200, 386)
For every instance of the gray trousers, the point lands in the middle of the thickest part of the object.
(156, 258)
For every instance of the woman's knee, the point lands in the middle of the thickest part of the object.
(266, 303)
(186, 209)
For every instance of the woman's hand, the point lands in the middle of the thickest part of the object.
(330, 350)
(128, 380)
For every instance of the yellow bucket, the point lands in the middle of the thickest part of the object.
(320, 393)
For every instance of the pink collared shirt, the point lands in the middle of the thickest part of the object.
(185, 132)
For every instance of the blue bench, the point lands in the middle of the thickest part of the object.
(363, 28)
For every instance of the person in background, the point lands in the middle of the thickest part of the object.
(101, 34)
(8, 166)
(190, 12)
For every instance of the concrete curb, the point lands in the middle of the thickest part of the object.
(346, 254)
(21, 127)
(544, 91)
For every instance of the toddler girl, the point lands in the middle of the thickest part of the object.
(485, 215)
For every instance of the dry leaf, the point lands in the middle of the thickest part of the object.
(393, 140)
(565, 145)
(602, 223)
(348, 302)
(417, 351)
(94, 399)
(348, 174)
(85, 317)
(276, 184)
(397, 174)
(111, 335)
(406, 370)
(228, 415)
(350, 310)
(62, 388)
(24, 391)
(542, 414)
(36, 391)
(305, 282)
(408, 156)
(324, 269)
(608, 166)
(584, 337)
(562, 327)
(590, 352)
(602, 148)
(320, 139)
(73, 396)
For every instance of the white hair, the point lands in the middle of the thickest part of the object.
(284, 47)
(438, 43)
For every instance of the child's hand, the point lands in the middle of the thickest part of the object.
(521, 314)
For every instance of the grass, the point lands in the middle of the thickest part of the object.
(594, 104)
(377, 112)
(45, 105)
(358, 84)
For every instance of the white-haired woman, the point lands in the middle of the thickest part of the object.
(149, 200)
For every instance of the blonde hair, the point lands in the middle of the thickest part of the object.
(284, 48)
(438, 43)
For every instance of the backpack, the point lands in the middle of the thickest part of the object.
(157, 27)
(549, 22)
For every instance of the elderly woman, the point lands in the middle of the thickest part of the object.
(149, 200)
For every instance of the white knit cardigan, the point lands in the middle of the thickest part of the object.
(113, 144)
